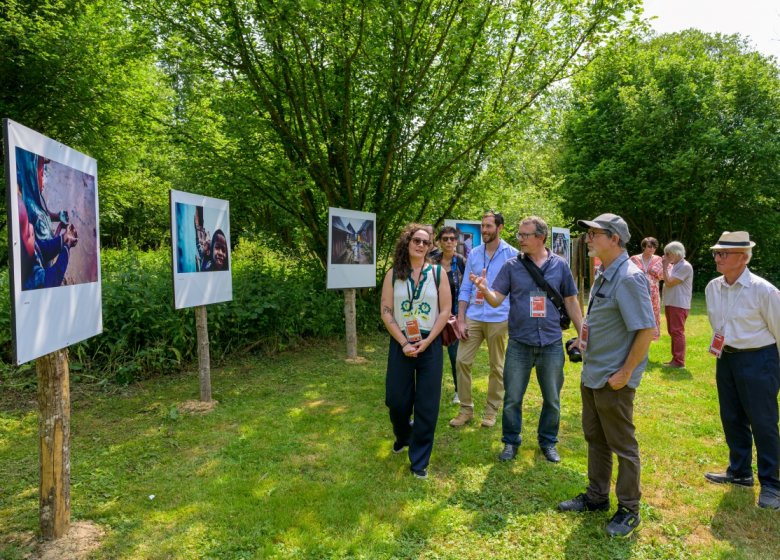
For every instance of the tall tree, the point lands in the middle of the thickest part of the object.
(368, 104)
(678, 134)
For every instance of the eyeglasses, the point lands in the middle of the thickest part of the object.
(592, 234)
(446, 238)
(723, 254)
(522, 235)
(420, 241)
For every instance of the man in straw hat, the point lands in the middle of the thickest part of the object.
(615, 337)
(744, 311)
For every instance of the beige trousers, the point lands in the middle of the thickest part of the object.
(496, 336)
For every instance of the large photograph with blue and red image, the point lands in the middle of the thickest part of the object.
(57, 223)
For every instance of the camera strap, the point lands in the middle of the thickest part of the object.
(538, 277)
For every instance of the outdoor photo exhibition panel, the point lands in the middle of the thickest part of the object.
(351, 249)
(469, 234)
(200, 241)
(54, 243)
(560, 243)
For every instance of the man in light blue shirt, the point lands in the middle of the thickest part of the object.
(478, 321)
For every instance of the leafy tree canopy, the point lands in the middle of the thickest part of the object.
(81, 73)
(678, 134)
(390, 107)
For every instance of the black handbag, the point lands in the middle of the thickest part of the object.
(552, 293)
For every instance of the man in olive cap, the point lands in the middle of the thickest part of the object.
(744, 311)
(615, 337)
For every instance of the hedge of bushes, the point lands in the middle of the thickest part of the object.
(277, 302)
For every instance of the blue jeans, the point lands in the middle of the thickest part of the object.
(548, 360)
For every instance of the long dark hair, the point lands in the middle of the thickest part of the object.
(401, 263)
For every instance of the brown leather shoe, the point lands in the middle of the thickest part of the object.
(461, 419)
(489, 421)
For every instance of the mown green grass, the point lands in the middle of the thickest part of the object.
(295, 462)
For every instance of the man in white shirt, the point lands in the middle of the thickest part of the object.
(744, 311)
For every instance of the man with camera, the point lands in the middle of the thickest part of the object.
(532, 280)
(615, 337)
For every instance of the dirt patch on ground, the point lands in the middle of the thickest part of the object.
(82, 538)
(357, 360)
(196, 407)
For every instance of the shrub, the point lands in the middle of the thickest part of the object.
(277, 302)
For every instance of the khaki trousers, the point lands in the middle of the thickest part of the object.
(495, 334)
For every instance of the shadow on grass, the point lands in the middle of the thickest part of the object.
(749, 530)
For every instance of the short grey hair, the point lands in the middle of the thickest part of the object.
(675, 248)
(540, 225)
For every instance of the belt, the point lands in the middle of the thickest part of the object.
(732, 350)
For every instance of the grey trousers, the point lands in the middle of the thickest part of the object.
(608, 425)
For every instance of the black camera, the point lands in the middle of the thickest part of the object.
(574, 353)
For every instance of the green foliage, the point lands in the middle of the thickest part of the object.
(84, 75)
(277, 302)
(295, 463)
(291, 107)
(678, 134)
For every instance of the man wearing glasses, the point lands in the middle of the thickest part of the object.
(478, 321)
(744, 311)
(534, 334)
(615, 337)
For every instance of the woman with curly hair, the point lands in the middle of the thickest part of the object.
(415, 305)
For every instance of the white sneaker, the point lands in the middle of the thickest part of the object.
(456, 399)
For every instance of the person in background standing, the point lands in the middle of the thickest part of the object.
(454, 265)
(678, 292)
(651, 264)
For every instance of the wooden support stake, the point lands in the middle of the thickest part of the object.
(54, 437)
(350, 320)
(204, 360)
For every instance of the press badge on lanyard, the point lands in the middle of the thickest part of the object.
(413, 333)
(716, 346)
(584, 336)
(538, 304)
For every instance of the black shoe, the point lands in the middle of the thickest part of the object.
(422, 475)
(551, 454)
(509, 452)
(728, 478)
(398, 447)
(769, 498)
(622, 523)
(582, 503)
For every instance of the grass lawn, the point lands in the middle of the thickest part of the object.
(295, 462)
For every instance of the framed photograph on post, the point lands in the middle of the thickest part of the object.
(561, 243)
(53, 243)
(200, 241)
(469, 234)
(351, 249)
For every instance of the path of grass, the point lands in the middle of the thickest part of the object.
(295, 463)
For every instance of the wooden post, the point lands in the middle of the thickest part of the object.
(54, 437)
(204, 360)
(350, 319)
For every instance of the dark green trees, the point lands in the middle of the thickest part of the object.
(678, 134)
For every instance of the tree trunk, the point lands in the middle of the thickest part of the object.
(204, 360)
(54, 443)
(350, 320)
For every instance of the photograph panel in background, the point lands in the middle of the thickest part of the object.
(200, 241)
(54, 249)
(560, 243)
(351, 249)
(469, 234)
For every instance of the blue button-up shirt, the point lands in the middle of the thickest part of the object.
(478, 262)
